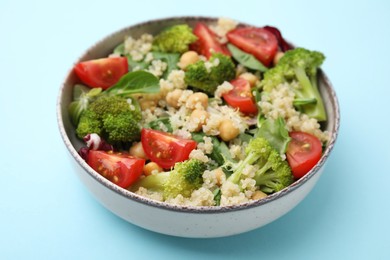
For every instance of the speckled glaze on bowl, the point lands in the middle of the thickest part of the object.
(185, 221)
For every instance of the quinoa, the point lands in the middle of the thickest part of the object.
(137, 49)
(199, 154)
(206, 146)
(157, 67)
(223, 26)
(279, 103)
(224, 88)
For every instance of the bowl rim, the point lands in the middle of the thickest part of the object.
(184, 208)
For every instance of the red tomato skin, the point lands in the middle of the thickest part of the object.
(102, 73)
(165, 149)
(207, 42)
(119, 168)
(257, 41)
(241, 97)
(301, 159)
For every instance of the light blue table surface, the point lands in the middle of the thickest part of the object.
(46, 212)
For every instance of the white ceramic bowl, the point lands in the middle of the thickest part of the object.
(182, 220)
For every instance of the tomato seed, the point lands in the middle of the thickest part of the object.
(306, 146)
(115, 179)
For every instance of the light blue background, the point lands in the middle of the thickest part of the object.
(45, 211)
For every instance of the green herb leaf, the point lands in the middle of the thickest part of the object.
(120, 49)
(275, 131)
(246, 59)
(135, 82)
(137, 65)
(171, 59)
(156, 124)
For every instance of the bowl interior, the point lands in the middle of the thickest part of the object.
(104, 47)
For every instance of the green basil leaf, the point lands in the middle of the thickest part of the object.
(156, 124)
(246, 59)
(198, 137)
(135, 82)
(171, 59)
(275, 131)
(137, 65)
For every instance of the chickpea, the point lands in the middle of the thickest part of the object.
(252, 79)
(258, 195)
(138, 151)
(227, 130)
(147, 104)
(195, 98)
(199, 117)
(173, 97)
(188, 58)
(277, 57)
(150, 168)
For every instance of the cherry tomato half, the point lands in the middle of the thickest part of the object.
(165, 149)
(119, 168)
(241, 96)
(102, 73)
(207, 42)
(303, 152)
(257, 41)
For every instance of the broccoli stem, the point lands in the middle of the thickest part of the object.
(249, 160)
(266, 181)
(153, 182)
(309, 90)
(263, 169)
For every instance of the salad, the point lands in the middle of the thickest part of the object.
(209, 115)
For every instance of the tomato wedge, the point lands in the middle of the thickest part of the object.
(102, 73)
(241, 96)
(119, 168)
(165, 149)
(303, 152)
(257, 41)
(207, 42)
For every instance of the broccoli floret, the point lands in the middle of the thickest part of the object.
(112, 118)
(183, 179)
(273, 173)
(300, 65)
(88, 124)
(121, 128)
(208, 78)
(176, 38)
